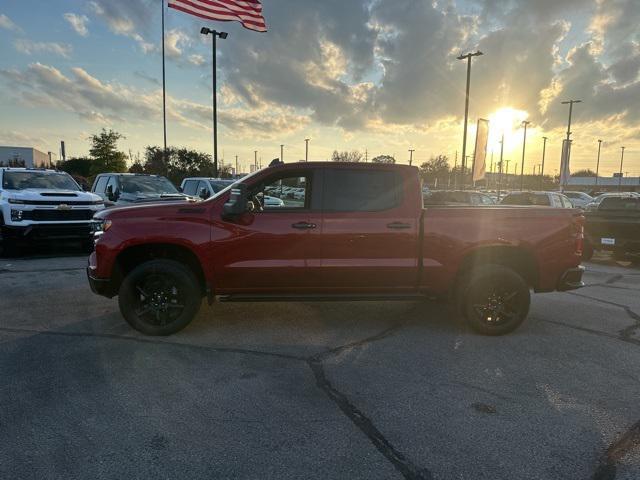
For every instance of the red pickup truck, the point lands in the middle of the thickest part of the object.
(342, 231)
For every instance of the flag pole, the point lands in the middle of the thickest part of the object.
(164, 91)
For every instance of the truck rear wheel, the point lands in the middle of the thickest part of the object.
(494, 300)
(159, 297)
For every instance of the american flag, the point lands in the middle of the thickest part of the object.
(247, 12)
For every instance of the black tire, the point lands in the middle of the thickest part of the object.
(8, 248)
(494, 300)
(587, 250)
(159, 297)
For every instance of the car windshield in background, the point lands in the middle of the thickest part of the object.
(19, 180)
(157, 185)
(219, 185)
(526, 199)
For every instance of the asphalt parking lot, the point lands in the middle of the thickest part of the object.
(373, 390)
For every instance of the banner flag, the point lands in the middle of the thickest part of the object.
(480, 155)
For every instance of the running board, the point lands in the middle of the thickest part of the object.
(371, 297)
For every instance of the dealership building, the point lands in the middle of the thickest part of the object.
(23, 156)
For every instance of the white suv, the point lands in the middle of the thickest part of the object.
(38, 204)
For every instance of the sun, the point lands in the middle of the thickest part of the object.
(507, 121)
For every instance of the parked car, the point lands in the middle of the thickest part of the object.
(599, 198)
(117, 189)
(540, 199)
(614, 225)
(204, 187)
(359, 233)
(456, 197)
(40, 205)
(578, 199)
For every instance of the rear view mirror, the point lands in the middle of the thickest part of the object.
(237, 203)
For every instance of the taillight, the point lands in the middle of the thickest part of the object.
(578, 232)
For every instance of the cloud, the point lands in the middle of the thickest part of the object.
(126, 18)
(7, 24)
(15, 138)
(314, 59)
(30, 47)
(78, 23)
(147, 77)
(196, 59)
(43, 86)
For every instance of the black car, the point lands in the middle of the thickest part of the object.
(614, 225)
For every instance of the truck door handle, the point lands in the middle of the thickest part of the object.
(398, 225)
(303, 225)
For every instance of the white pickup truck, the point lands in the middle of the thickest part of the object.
(38, 204)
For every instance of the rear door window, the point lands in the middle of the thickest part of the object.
(358, 190)
(190, 187)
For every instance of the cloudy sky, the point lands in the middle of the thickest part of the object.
(379, 75)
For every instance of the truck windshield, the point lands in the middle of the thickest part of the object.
(19, 180)
(157, 185)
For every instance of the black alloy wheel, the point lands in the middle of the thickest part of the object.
(494, 300)
(159, 297)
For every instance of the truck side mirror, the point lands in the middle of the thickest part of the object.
(204, 193)
(112, 195)
(237, 203)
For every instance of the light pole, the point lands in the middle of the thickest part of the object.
(255, 159)
(411, 150)
(620, 177)
(214, 35)
(544, 149)
(568, 145)
(500, 169)
(236, 165)
(598, 162)
(282, 153)
(524, 144)
(306, 149)
(466, 57)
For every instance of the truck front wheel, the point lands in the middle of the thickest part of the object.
(159, 297)
(494, 300)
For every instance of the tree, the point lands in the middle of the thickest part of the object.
(584, 173)
(136, 167)
(105, 154)
(81, 166)
(435, 170)
(178, 163)
(383, 159)
(353, 156)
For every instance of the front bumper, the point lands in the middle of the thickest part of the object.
(40, 232)
(100, 286)
(571, 279)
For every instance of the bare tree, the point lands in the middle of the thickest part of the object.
(353, 156)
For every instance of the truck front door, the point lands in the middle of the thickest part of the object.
(275, 248)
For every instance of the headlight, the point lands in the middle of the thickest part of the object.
(16, 215)
(98, 202)
(14, 200)
(101, 226)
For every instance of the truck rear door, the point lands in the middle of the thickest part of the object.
(370, 229)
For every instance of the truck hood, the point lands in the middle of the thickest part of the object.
(150, 208)
(152, 197)
(40, 194)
